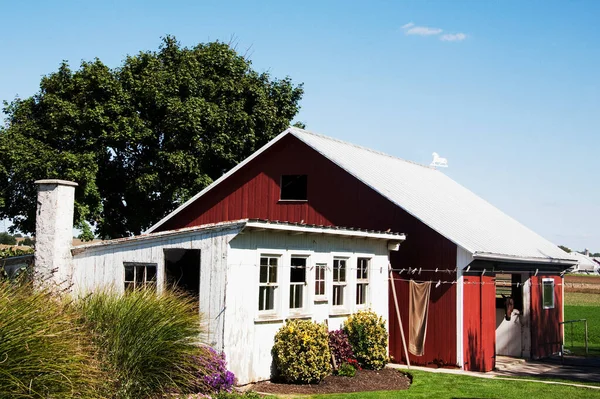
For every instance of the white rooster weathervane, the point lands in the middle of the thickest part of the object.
(438, 162)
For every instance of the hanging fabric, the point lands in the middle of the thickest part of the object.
(417, 316)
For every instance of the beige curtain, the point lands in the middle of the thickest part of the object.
(417, 317)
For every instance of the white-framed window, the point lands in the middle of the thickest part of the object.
(297, 281)
(362, 280)
(267, 285)
(339, 281)
(548, 293)
(320, 280)
(139, 275)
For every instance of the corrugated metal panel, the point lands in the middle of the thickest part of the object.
(440, 202)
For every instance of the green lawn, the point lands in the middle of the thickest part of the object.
(582, 306)
(438, 385)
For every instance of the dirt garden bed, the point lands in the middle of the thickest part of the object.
(364, 380)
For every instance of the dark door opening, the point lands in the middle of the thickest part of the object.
(182, 269)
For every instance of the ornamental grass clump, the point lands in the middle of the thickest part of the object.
(44, 353)
(146, 340)
(369, 339)
(301, 352)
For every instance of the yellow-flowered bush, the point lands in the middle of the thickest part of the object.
(369, 339)
(301, 352)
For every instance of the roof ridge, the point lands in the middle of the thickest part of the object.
(293, 128)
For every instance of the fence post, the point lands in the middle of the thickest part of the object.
(586, 338)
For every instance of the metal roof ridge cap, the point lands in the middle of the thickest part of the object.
(323, 229)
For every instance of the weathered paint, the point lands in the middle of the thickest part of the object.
(54, 232)
(102, 266)
(247, 332)
(546, 332)
(335, 198)
(479, 322)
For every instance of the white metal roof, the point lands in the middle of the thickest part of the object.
(432, 197)
(584, 263)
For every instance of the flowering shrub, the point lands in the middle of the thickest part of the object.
(340, 347)
(369, 339)
(301, 351)
(212, 374)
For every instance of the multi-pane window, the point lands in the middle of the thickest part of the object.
(320, 269)
(267, 289)
(548, 293)
(362, 280)
(297, 282)
(139, 275)
(339, 281)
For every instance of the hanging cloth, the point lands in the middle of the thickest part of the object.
(417, 316)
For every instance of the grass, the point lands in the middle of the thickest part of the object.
(439, 385)
(44, 353)
(147, 341)
(582, 306)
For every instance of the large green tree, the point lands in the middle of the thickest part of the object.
(141, 138)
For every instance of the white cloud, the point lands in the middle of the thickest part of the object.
(421, 30)
(453, 37)
(411, 29)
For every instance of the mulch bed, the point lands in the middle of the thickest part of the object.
(364, 380)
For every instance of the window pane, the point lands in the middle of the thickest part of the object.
(128, 273)
(264, 261)
(294, 187)
(270, 298)
(298, 270)
(261, 297)
(296, 296)
(273, 261)
(266, 298)
(150, 273)
(338, 295)
(139, 275)
(263, 273)
(362, 268)
(273, 273)
(320, 288)
(548, 293)
(361, 294)
(342, 271)
(336, 270)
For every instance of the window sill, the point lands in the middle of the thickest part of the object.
(339, 313)
(287, 201)
(266, 318)
(321, 299)
(299, 315)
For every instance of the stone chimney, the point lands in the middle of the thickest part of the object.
(54, 233)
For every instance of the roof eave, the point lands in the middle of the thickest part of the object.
(524, 259)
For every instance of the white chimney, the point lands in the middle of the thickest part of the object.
(586, 252)
(54, 233)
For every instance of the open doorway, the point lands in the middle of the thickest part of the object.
(512, 329)
(182, 270)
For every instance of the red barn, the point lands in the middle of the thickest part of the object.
(469, 251)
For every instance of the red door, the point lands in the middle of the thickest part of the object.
(479, 318)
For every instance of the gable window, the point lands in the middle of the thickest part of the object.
(339, 281)
(320, 269)
(362, 280)
(267, 290)
(548, 293)
(139, 275)
(294, 187)
(297, 282)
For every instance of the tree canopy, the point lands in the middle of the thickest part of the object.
(141, 138)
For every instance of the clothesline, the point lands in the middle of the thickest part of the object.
(452, 282)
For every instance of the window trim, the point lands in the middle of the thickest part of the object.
(276, 285)
(320, 297)
(145, 282)
(544, 281)
(365, 282)
(304, 308)
(344, 305)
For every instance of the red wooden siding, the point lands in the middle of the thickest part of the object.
(337, 198)
(545, 328)
(479, 323)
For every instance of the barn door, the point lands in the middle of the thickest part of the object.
(479, 318)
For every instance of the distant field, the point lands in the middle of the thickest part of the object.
(580, 305)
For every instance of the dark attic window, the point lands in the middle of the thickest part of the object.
(294, 187)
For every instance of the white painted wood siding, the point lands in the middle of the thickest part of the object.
(248, 337)
(102, 266)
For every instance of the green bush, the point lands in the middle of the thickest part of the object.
(301, 351)
(44, 353)
(369, 339)
(146, 340)
(346, 370)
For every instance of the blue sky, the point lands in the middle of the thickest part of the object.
(508, 91)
